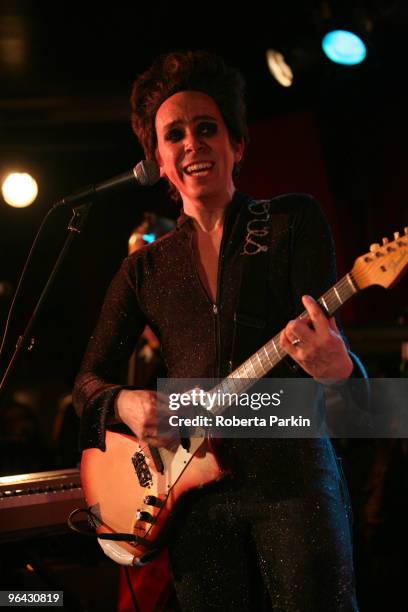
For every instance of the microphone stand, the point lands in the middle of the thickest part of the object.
(25, 342)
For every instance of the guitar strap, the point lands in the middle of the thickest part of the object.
(250, 317)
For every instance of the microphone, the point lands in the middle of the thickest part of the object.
(145, 174)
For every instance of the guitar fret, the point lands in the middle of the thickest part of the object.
(337, 295)
(271, 363)
(261, 364)
(271, 353)
(348, 277)
(252, 366)
(245, 370)
(325, 304)
(241, 371)
(265, 360)
(276, 349)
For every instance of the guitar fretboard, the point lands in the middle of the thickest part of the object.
(272, 353)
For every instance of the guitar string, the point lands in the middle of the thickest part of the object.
(333, 299)
(274, 342)
(330, 298)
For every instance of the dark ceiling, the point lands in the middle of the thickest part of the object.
(66, 70)
(58, 58)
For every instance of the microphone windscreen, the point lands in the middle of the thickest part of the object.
(147, 172)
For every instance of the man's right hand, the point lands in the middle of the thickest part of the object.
(146, 413)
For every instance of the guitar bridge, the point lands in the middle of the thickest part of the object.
(143, 473)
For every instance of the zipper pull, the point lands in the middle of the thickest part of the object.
(215, 309)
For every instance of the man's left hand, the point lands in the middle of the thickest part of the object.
(315, 343)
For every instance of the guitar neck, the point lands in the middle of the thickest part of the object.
(272, 353)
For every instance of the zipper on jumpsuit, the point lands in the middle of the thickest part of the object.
(217, 301)
(214, 306)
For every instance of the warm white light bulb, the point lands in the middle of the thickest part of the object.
(279, 68)
(19, 189)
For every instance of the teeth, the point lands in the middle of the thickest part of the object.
(198, 167)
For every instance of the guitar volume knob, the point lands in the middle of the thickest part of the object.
(146, 517)
(152, 500)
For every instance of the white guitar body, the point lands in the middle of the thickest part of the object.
(130, 497)
(118, 496)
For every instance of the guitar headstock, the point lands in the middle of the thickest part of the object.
(383, 264)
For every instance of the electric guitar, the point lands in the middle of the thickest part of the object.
(132, 491)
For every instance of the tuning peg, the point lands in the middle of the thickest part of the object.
(385, 241)
(374, 247)
(396, 235)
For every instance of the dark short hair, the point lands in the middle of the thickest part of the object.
(188, 71)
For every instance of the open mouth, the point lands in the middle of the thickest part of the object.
(198, 168)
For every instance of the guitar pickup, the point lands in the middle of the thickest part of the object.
(143, 473)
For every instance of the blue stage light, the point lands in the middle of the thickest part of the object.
(343, 47)
(149, 237)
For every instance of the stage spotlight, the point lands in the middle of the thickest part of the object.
(19, 189)
(279, 68)
(344, 47)
(149, 237)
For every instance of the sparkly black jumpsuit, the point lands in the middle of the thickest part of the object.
(280, 525)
